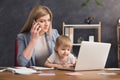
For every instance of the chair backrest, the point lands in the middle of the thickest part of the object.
(16, 52)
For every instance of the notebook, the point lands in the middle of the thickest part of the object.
(92, 56)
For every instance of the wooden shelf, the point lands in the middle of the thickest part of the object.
(68, 29)
(76, 44)
(118, 43)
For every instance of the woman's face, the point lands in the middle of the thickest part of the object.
(44, 23)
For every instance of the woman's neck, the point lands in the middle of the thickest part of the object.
(41, 33)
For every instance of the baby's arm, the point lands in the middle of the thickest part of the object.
(68, 65)
(49, 64)
(73, 62)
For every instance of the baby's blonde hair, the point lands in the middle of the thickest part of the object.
(63, 40)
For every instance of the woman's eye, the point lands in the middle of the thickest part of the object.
(49, 20)
(41, 21)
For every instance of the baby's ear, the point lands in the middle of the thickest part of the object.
(55, 49)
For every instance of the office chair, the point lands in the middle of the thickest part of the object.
(16, 52)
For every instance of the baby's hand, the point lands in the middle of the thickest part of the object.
(68, 65)
(59, 66)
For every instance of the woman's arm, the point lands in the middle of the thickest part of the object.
(27, 53)
(25, 48)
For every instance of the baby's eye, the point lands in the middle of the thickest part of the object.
(68, 49)
(63, 49)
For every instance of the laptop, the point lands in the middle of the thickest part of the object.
(92, 56)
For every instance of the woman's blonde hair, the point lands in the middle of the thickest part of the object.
(37, 12)
(63, 40)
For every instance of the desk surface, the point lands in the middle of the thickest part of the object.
(61, 75)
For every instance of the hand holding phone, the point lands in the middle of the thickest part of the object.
(35, 29)
(37, 25)
(34, 21)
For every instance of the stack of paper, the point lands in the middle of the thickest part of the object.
(21, 70)
(25, 70)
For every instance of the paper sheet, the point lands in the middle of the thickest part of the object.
(22, 70)
(112, 69)
(41, 68)
(46, 74)
(74, 73)
(107, 73)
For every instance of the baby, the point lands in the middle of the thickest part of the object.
(62, 57)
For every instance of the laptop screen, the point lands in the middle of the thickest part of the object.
(92, 55)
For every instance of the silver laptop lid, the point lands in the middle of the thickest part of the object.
(92, 55)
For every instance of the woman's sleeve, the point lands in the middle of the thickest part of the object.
(52, 41)
(55, 34)
(22, 61)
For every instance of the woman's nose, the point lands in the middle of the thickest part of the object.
(47, 23)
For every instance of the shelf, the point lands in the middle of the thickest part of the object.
(68, 29)
(118, 43)
(83, 26)
(76, 44)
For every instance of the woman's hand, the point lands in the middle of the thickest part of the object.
(35, 30)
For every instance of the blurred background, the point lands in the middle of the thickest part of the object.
(14, 13)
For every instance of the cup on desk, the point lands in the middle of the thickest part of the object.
(91, 38)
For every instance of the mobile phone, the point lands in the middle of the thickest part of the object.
(34, 21)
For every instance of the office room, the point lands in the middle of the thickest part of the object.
(104, 13)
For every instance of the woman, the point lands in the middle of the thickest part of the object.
(37, 38)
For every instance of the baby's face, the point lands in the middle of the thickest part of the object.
(63, 51)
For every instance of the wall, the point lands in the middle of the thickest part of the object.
(13, 14)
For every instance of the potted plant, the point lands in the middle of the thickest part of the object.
(98, 3)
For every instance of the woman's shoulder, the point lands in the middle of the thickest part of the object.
(20, 35)
(55, 33)
(54, 30)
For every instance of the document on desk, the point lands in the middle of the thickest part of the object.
(74, 73)
(107, 73)
(2, 69)
(112, 69)
(21, 70)
(41, 68)
(47, 74)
